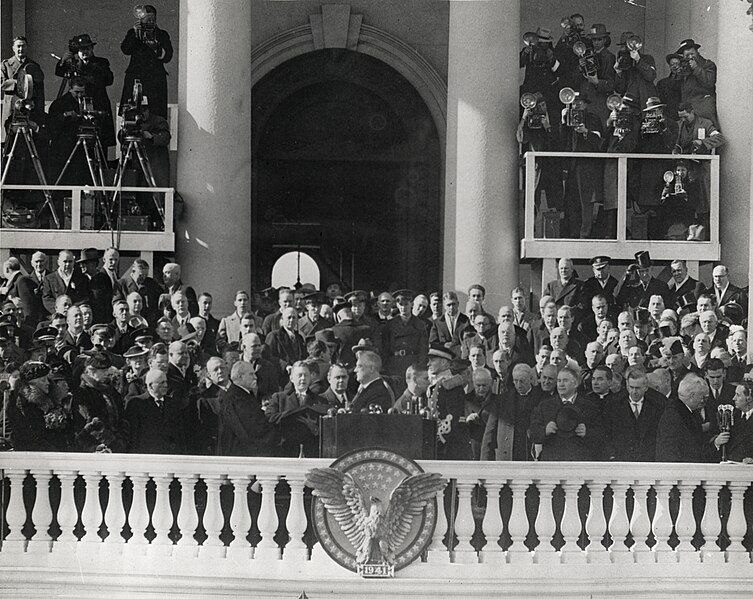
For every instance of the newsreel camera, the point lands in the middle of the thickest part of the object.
(534, 103)
(624, 60)
(144, 27)
(574, 116)
(133, 116)
(675, 184)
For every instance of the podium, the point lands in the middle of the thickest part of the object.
(411, 436)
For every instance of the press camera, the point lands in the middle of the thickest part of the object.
(536, 110)
(133, 115)
(624, 60)
(574, 116)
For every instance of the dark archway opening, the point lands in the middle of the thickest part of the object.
(346, 167)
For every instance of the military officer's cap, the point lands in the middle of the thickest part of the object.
(406, 294)
(642, 316)
(106, 329)
(600, 261)
(357, 295)
(438, 350)
(315, 297)
(45, 334)
(135, 352)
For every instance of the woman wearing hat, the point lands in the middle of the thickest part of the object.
(38, 421)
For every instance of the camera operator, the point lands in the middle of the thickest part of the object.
(80, 61)
(541, 68)
(572, 32)
(535, 133)
(63, 123)
(150, 49)
(17, 66)
(582, 176)
(598, 87)
(698, 77)
(670, 88)
(635, 71)
(622, 135)
(658, 136)
(155, 131)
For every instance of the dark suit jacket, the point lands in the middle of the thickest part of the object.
(538, 335)
(284, 348)
(637, 296)
(29, 290)
(293, 433)
(565, 446)
(740, 445)
(53, 287)
(209, 342)
(689, 286)
(680, 438)
(149, 291)
(243, 428)
(267, 378)
(332, 399)
(591, 288)
(377, 392)
(564, 294)
(154, 430)
(103, 292)
(733, 294)
(440, 333)
(349, 333)
(588, 327)
(628, 439)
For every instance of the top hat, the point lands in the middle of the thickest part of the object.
(643, 259)
(653, 102)
(676, 348)
(597, 30)
(672, 55)
(642, 316)
(688, 300)
(544, 34)
(88, 255)
(438, 350)
(733, 312)
(687, 45)
(600, 261)
(568, 418)
(83, 40)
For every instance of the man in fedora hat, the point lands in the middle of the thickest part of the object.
(14, 68)
(541, 68)
(598, 87)
(698, 80)
(583, 177)
(670, 88)
(572, 30)
(635, 71)
(97, 76)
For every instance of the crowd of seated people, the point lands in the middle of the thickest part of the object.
(83, 107)
(578, 96)
(625, 367)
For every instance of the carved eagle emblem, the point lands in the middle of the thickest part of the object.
(376, 531)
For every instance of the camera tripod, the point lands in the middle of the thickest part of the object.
(135, 146)
(21, 129)
(88, 139)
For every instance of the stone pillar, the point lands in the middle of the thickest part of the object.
(481, 196)
(213, 240)
(734, 88)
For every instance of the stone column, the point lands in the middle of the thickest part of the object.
(734, 88)
(481, 197)
(213, 240)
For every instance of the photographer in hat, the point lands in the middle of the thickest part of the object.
(698, 80)
(541, 68)
(670, 88)
(635, 70)
(97, 76)
(598, 87)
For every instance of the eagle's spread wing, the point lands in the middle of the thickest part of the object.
(343, 499)
(407, 500)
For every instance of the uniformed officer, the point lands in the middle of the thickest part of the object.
(358, 303)
(405, 340)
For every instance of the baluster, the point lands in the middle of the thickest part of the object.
(115, 515)
(736, 526)
(67, 514)
(188, 518)
(296, 549)
(465, 526)
(438, 553)
(213, 519)
(162, 517)
(596, 524)
(711, 525)
(492, 526)
(619, 525)
(41, 515)
(571, 526)
(16, 514)
(640, 524)
(267, 548)
(91, 514)
(662, 524)
(686, 525)
(546, 525)
(240, 520)
(138, 517)
(518, 553)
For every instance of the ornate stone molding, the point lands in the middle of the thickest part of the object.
(336, 27)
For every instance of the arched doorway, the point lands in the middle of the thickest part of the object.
(295, 267)
(346, 167)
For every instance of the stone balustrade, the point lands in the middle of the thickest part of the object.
(126, 521)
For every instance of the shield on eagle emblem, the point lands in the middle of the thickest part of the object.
(374, 511)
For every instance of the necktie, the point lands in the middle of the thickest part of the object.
(636, 409)
(160, 403)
